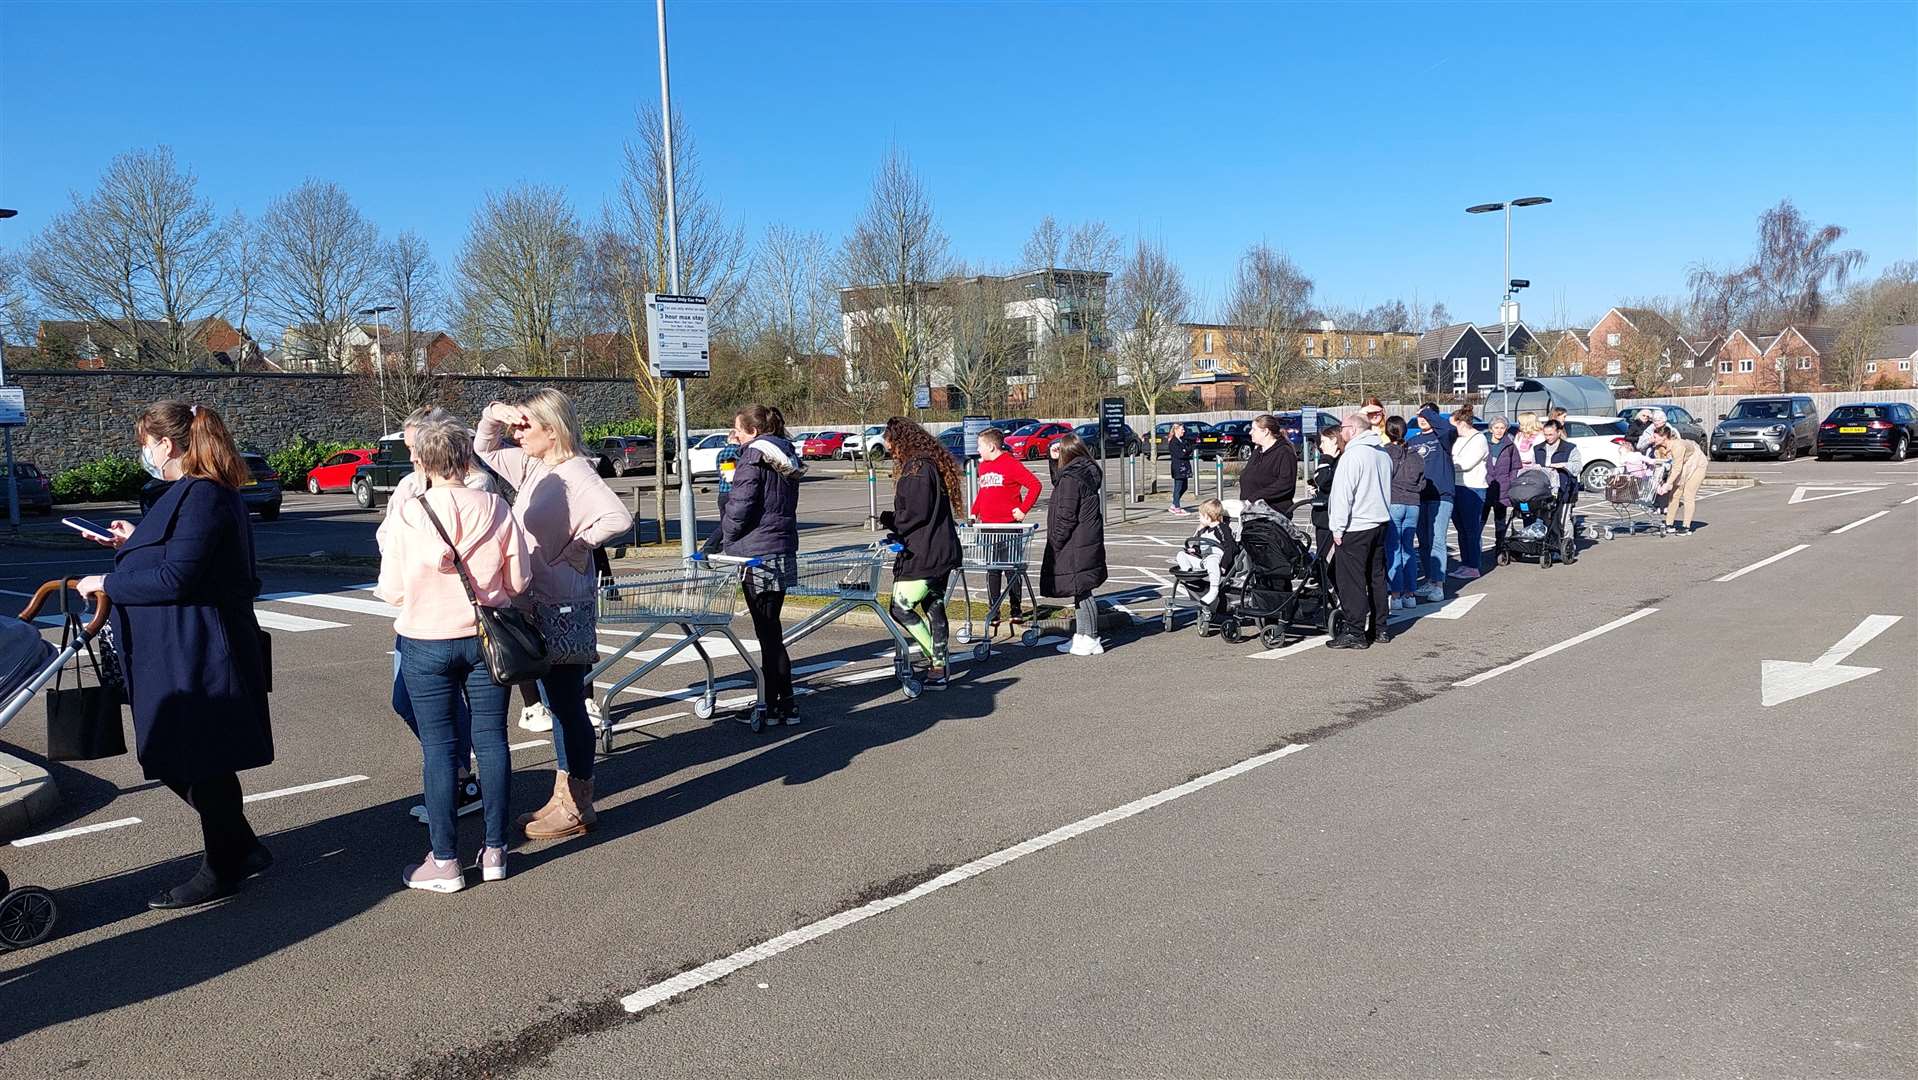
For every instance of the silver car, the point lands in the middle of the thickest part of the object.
(1767, 427)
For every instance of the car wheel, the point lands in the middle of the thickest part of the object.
(1595, 475)
(1899, 449)
(1824, 456)
(363, 494)
(312, 486)
(1787, 449)
(270, 512)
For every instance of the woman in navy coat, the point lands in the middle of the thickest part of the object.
(182, 589)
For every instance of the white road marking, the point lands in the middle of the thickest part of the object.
(1555, 649)
(1860, 521)
(292, 624)
(1780, 681)
(1762, 563)
(1455, 608)
(1836, 491)
(29, 841)
(336, 602)
(301, 789)
(719, 969)
(1909, 501)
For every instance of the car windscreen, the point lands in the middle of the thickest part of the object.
(1029, 429)
(711, 441)
(1759, 410)
(1607, 428)
(1860, 412)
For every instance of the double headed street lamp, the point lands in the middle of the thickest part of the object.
(1508, 306)
(379, 360)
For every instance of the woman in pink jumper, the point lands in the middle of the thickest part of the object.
(439, 645)
(567, 512)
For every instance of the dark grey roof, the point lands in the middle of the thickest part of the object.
(1897, 342)
(1434, 344)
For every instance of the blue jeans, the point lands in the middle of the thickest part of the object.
(1178, 488)
(564, 689)
(1469, 520)
(1401, 542)
(462, 713)
(1435, 515)
(435, 673)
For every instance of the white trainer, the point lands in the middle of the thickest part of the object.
(592, 714)
(536, 718)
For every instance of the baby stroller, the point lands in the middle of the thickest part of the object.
(1543, 529)
(27, 663)
(1276, 579)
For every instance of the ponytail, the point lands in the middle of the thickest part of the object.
(202, 435)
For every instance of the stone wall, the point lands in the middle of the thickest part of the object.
(76, 416)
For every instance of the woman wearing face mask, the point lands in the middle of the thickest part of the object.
(182, 587)
(567, 512)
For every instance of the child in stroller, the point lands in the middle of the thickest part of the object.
(1274, 574)
(1543, 531)
(1202, 565)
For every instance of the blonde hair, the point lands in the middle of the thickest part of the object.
(1212, 510)
(1528, 423)
(553, 410)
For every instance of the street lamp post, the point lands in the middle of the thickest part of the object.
(379, 361)
(1508, 305)
(688, 524)
(6, 433)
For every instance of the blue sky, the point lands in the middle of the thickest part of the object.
(1350, 135)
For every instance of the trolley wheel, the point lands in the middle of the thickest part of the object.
(756, 720)
(1167, 621)
(1030, 637)
(1232, 632)
(1273, 637)
(963, 634)
(703, 707)
(981, 651)
(26, 917)
(912, 687)
(1329, 617)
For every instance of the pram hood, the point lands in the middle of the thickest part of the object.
(23, 653)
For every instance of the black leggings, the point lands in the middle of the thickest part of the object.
(224, 830)
(765, 606)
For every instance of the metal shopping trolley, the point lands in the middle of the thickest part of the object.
(1633, 502)
(848, 577)
(27, 663)
(994, 548)
(699, 597)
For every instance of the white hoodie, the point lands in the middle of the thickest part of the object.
(1469, 455)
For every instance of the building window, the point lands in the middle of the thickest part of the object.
(1613, 367)
(1691, 361)
(1804, 363)
(1904, 365)
(1485, 363)
(1611, 340)
(1346, 344)
(1745, 366)
(1725, 367)
(1458, 368)
(1871, 367)
(1371, 346)
(1311, 346)
(1207, 363)
(1208, 341)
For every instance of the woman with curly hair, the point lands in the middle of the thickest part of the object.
(926, 493)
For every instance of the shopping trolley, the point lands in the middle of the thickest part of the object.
(848, 577)
(1633, 502)
(994, 548)
(699, 597)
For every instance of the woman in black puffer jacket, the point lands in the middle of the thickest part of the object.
(1075, 560)
(761, 520)
(926, 488)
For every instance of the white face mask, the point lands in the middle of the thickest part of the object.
(156, 469)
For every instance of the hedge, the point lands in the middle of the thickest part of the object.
(110, 477)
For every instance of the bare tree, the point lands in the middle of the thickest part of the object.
(1074, 335)
(890, 263)
(1149, 309)
(985, 343)
(141, 258)
(409, 280)
(319, 258)
(1867, 312)
(1791, 276)
(16, 310)
(242, 269)
(516, 271)
(1437, 317)
(790, 298)
(1267, 306)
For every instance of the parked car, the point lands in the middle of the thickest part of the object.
(855, 444)
(262, 494)
(1030, 443)
(1230, 439)
(954, 440)
(1163, 431)
(381, 473)
(35, 490)
(823, 444)
(1012, 424)
(336, 472)
(1127, 442)
(1601, 444)
(799, 438)
(1680, 418)
(1888, 428)
(629, 454)
(1778, 426)
(703, 456)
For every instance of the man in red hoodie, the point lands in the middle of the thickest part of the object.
(1007, 491)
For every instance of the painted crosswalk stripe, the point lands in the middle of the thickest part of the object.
(29, 841)
(336, 602)
(1762, 563)
(1861, 521)
(301, 789)
(292, 624)
(1552, 650)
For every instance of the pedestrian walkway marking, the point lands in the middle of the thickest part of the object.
(1455, 608)
(1762, 563)
(301, 789)
(336, 602)
(1861, 521)
(29, 841)
(1835, 491)
(766, 950)
(1555, 649)
(292, 624)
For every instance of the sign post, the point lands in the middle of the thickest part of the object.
(1111, 427)
(678, 347)
(1309, 437)
(13, 414)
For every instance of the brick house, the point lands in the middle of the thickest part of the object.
(1739, 359)
(1893, 361)
(1794, 359)
(1635, 344)
(1556, 353)
(87, 345)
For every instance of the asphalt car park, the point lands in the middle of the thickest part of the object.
(1182, 857)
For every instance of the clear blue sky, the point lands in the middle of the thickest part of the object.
(1350, 135)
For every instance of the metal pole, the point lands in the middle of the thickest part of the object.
(688, 522)
(379, 361)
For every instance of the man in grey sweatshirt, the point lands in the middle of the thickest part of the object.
(1357, 515)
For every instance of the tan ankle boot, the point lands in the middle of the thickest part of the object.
(574, 816)
(552, 804)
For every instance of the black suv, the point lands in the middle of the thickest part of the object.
(1119, 446)
(382, 472)
(1878, 427)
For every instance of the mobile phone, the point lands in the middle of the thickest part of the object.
(87, 528)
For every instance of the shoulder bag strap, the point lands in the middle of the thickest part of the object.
(459, 564)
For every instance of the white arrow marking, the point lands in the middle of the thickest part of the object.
(1837, 492)
(1780, 681)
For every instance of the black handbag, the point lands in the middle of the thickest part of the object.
(83, 722)
(509, 639)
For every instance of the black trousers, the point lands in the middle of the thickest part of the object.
(1497, 511)
(1002, 582)
(1359, 571)
(775, 664)
(224, 829)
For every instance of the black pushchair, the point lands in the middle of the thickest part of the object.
(27, 663)
(1543, 508)
(1277, 582)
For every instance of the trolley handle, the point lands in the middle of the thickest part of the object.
(730, 560)
(57, 585)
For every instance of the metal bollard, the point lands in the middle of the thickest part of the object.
(872, 497)
(1218, 483)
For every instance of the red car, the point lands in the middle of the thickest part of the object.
(825, 445)
(336, 472)
(1034, 440)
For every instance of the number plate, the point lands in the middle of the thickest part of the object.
(1742, 445)
(1851, 431)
